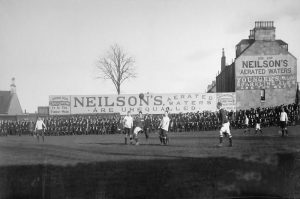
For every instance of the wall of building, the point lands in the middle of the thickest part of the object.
(252, 98)
(25, 117)
(265, 65)
(225, 81)
(43, 110)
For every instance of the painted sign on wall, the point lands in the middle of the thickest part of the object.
(265, 72)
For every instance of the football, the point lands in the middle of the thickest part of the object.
(141, 95)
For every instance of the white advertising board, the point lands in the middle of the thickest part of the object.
(60, 105)
(151, 103)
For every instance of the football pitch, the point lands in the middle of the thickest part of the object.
(191, 166)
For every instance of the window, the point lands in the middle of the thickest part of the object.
(262, 95)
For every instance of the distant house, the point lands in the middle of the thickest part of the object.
(263, 73)
(9, 102)
(211, 88)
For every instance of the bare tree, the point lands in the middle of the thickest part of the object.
(116, 66)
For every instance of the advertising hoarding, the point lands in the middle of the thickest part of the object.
(150, 103)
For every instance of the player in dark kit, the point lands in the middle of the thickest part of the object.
(225, 125)
(147, 126)
(258, 124)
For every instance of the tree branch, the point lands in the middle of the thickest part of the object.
(116, 66)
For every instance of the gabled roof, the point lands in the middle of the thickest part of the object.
(263, 45)
(250, 41)
(280, 42)
(246, 41)
(5, 99)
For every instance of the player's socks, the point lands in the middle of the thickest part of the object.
(230, 142)
(165, 140)
(125, 140)
(286, 132)
(221, 141)
(161, 140)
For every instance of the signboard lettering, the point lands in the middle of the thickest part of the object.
(151, 103)
(265, 72)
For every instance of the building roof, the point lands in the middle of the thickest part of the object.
(280, 42)
(5, 99)
(246, 41)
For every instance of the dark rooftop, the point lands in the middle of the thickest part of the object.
(5, 98)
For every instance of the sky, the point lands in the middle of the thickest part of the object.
(51, 47)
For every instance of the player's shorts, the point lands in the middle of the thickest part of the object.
(225, 129)
(40, 132)
(137, 130)
(127, 131)
(163, 133)
(283, 124)
(257, 126)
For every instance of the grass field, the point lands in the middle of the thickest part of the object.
(191, 166)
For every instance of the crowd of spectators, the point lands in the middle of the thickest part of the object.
(182, 122)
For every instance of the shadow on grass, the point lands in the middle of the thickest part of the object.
(178, 178)
(133, 144)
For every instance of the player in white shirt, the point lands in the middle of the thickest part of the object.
(39, 128)
(164, 128)
(128, 124)
(246, 124)
(283, 122)
(139, 127)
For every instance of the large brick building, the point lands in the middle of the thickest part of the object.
(264, 72)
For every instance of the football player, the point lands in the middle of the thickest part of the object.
(225, 125)
(164, 127)
(139, 127)
(128, 124)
